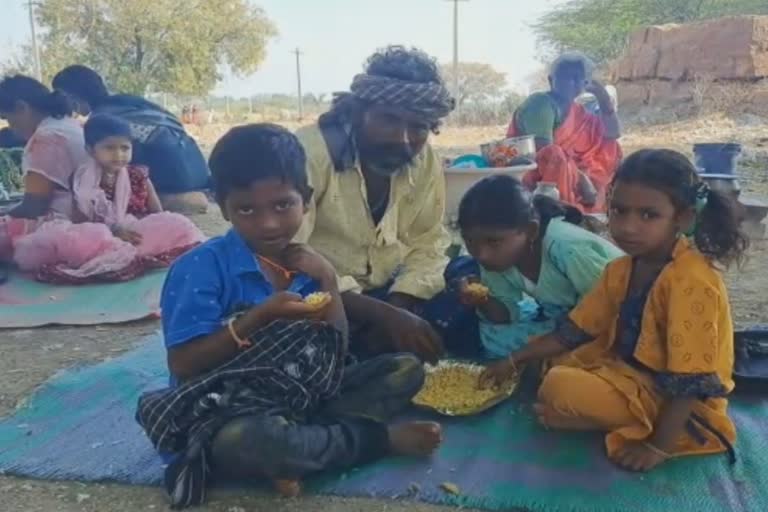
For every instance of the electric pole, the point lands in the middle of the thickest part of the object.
(35, 47)
(298, 54)
(456, 47)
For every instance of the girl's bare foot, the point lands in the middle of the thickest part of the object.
(549, 417)
(287, 488)
(415, 438)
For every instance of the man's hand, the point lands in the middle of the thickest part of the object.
(409, 333)
(304, 259)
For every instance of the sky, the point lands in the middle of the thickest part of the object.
(336, 36)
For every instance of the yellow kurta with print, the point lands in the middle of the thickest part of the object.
(686, 331)
(410, 239)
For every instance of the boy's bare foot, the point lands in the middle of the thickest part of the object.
(287, 488)
(415, 438)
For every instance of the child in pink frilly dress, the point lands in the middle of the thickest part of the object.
(119, 229)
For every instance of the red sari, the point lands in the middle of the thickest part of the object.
(579, 144)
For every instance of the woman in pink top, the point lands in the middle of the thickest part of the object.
(55, 149)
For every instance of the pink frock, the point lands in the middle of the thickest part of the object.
(63, 252)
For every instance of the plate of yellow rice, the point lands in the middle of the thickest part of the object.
(452, 388)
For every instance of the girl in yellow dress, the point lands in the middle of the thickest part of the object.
(647, 355)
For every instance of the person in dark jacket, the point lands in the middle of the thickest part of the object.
(175, 162)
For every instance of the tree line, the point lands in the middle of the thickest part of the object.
(600, 28)
(183, 47)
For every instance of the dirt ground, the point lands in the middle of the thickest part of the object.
(29, 357)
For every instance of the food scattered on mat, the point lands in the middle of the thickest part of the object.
(450, 488)
(318, 299)
(453, 388)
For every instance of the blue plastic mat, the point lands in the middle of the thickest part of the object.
(26, 303)
(80, 426)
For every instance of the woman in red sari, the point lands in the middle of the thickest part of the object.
(576, 150)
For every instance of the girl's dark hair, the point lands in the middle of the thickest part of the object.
(501, 201)
(83, 82)
(717, 234)
(255, 152)
(14, 89)
(100, 126)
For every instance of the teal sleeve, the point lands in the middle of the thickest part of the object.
(537, 116)
(501, 289)
(585, 262)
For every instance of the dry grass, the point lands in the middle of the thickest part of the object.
(749, 130)
(449, 137)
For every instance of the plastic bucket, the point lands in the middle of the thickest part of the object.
(717, 157)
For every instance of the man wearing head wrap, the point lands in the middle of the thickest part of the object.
(379, 201)
(577, 150)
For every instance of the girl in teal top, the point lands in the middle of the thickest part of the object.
(535, 261)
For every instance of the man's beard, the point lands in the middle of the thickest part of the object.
(386, 159)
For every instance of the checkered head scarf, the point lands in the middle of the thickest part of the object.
(429, 99)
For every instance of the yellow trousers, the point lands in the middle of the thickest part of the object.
(613, 397)
(581, 394)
